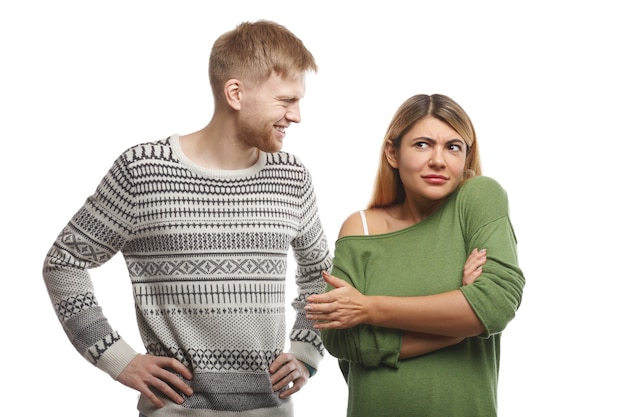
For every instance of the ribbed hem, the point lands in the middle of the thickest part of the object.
(174, 410)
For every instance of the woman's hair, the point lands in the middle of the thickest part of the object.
(253, 50)
(388, 187)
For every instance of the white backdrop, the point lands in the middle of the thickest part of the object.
(542, 80)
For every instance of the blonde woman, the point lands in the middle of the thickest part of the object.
(416, 332)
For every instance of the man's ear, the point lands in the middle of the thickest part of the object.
(233, 91)
(391, 153)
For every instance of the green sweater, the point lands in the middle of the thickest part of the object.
(424, 259)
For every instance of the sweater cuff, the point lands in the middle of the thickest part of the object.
(116, 358)
(307, 354)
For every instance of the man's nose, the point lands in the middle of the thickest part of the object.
(293, 113)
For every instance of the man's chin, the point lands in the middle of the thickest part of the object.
(273, 147)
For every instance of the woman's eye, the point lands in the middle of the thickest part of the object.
(455, 147)
(421, 145)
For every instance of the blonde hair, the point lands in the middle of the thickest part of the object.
(253, 51)
(388, 187)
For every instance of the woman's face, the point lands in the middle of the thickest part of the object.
(430, 160)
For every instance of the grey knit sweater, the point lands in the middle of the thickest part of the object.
(207, 254)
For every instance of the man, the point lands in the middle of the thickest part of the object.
(204, 222)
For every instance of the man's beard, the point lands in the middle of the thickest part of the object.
(251, 135)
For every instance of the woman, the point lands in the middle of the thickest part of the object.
(412, 338)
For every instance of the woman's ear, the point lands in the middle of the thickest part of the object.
(233, 91)
(391, 153)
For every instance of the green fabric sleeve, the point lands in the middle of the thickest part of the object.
(496, 295)
(365, 344)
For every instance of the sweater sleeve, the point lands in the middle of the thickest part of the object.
(312, 255)
(94, 235)
(496, 295)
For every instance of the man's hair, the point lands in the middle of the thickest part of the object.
(253, 51)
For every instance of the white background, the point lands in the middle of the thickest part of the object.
(542, 80)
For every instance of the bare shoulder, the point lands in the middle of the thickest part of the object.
(352, 226)
(379, 220)
(376, 221)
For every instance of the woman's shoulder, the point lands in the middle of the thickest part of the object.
(365, 222)
(482, 185)
(353, 225)
(482, 196)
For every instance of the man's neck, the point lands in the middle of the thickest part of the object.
(216, 147)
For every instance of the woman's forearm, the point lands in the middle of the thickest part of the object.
(445, 314)
(417, 344)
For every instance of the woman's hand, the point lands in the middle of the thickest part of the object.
(473, 267)
(340, 308)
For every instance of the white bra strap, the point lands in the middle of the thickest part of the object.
(364, 221)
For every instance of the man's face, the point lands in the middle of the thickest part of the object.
(267, 110)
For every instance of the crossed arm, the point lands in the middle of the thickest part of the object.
(428, 323)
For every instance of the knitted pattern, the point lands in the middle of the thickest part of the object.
(206, 253)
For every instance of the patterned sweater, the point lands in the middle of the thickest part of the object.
(206, 253)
